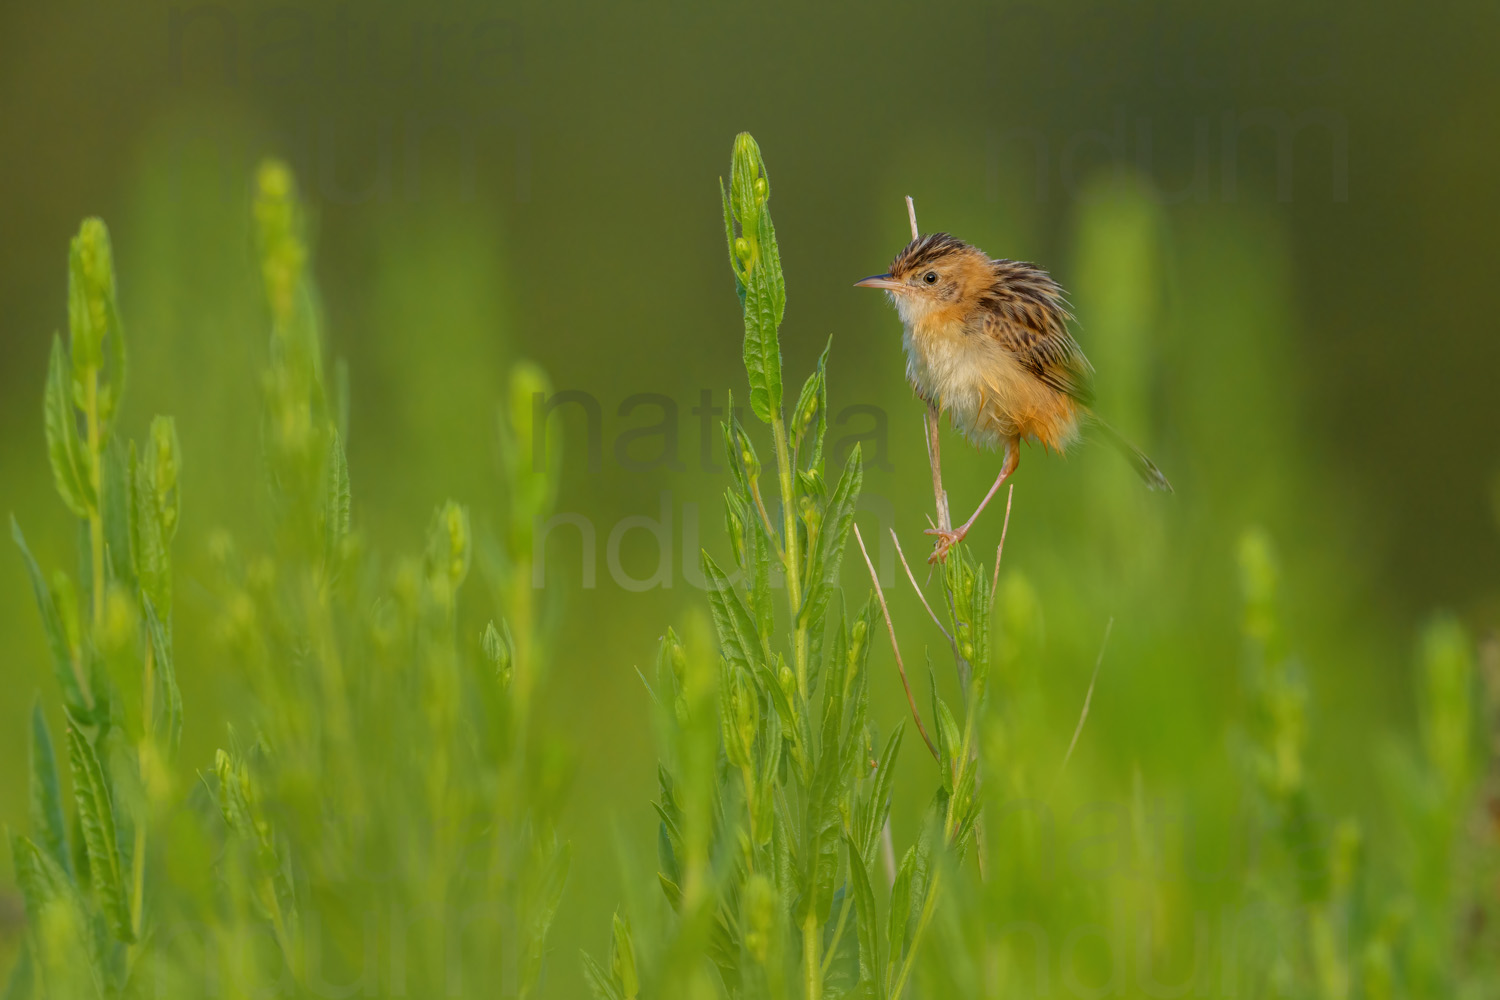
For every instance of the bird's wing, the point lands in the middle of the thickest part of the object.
(1025, 314)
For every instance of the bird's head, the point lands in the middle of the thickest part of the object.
(934, 273)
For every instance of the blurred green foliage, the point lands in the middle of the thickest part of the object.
(1280, 786)
(383, 813)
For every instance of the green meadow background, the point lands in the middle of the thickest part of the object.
(1276, 225)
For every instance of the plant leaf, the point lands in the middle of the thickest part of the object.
(41, 880)
(823, 565)
(551, 875)
(900, 910)
(762, 347)
(600, 983)
(737, 631)
(336, 496)
(871, 957)
(821, 823)
(878, 806)
(75, 698)
(734, 260)
(161, 647)
(96, 816)
(47, 822)
(814, 395)
(64, 449)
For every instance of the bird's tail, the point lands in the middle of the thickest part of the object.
(1143, 466)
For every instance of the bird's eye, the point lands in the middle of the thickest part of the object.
(930, 277)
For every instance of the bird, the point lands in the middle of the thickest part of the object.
(987, 343)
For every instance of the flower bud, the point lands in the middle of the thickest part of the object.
(91, 296)
(734, 522)
(786, 679)
(748, 457)
(857, 640)
(809, 410)
(810, 512)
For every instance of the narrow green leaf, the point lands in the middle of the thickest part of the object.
(821, 823)
(47, 822)
(622, 958)
(738, 635)
(96, 816)
(734, 261)
(551, 877)
(948, 734)
(900, 910)
(762, 347)
(878, 806)
(336, 496)
(823, 566)
(784, 860)
(670, 889)
(64, 449)
(161, 648)
(921, 880)
(148, 535)
(66, 948)
(841, 947)
(74, 696)
(871, 952)
(811, 415)
(734, 437)
(41, 880)
(770, 257)
(600, 983)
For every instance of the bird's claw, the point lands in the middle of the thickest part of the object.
(945, 541)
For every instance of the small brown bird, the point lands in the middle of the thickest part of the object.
(987, 342)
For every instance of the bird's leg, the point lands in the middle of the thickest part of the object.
(934, 456)
(951, 537)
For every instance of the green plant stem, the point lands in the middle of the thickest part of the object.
(793, 553)
(812, 963)
(765, 519)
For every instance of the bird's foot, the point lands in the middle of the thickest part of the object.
(945, 541)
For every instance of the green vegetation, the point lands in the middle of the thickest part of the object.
(385, 813)
(380, 814)
(776, 789)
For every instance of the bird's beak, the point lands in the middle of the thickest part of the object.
(880, 281)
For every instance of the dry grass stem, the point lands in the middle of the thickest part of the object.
(920, 596)
(891, 631)
(1087, 699)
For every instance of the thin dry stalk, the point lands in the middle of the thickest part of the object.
(920, 596)
(1087, 699)
(1000, 549)
(891, 631)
